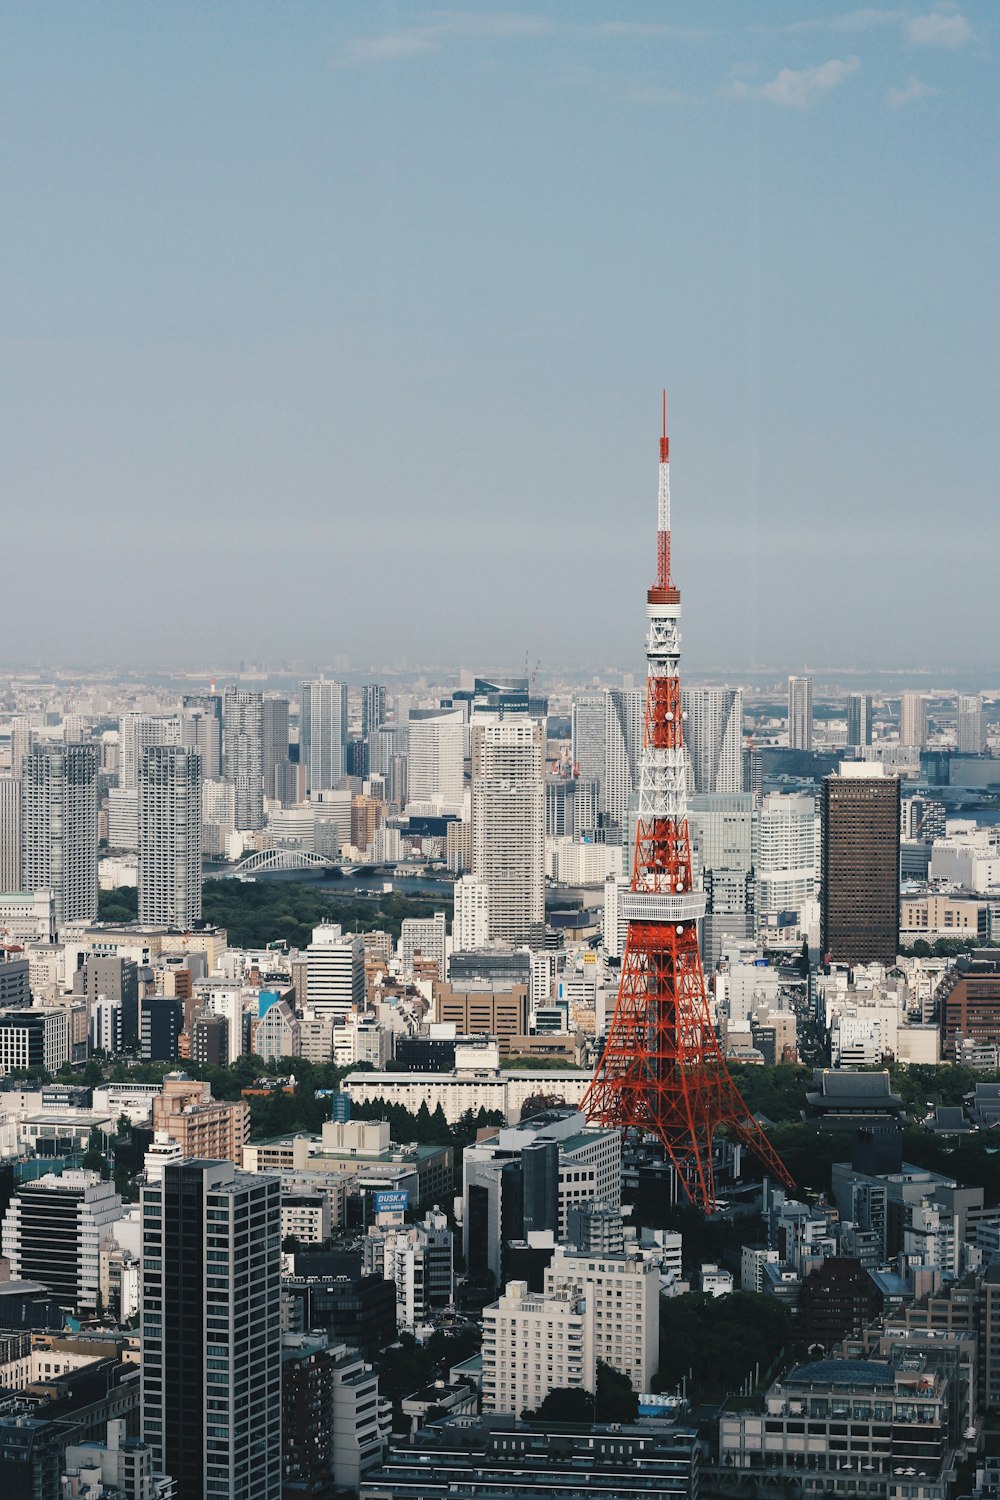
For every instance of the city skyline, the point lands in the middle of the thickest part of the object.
(431, 271)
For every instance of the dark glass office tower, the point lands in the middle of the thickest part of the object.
(859, 911)
(211, 1335)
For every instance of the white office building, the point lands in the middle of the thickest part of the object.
(52, 1233)
(435, 758)
(787, 859)
(335, 973)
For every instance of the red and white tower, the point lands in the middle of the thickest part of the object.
(662, 1072)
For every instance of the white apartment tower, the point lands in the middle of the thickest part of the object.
(535, 1344)
(971, 728)
(243, 754)
(135, 732)
(59, 828)
(713, 738)
(10, 833)
(470, 928)
(435, 757)
(624, 1291)
(913, 720)
(508, 821)
(323, 733)
(21, 741)
(800, 713)
(426, 937)
(202, 731)
(170, 836)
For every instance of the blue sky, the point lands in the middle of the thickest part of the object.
(339, 329)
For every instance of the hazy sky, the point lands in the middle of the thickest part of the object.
(336, 328)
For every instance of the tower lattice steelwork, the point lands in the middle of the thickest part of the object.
(662, 1072)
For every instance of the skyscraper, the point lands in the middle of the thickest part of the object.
(626, 714)
(913, 720)
(170, 836)
(435, 757)
(59, 828)
(971, 731)
(10, 833)
(372, 707)
(135, 732)
(243, 754)
(589, 721)
(21, 740)
(859, 719)
(211, 1330)
(859, 897)
(201, 730)
(607, 740)
(713, 738)
(787, 855)
(508, 821)
(800, 713)
(323, 733)
(275, 721)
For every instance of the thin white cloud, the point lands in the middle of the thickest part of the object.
(654, 95)
(865, 19)
(440, 29)
(799, 88)
(911, 92)
(944, 26)
(651, 31)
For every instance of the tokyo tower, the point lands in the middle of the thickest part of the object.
(662, 1072)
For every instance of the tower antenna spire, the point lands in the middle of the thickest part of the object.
(662, 1072)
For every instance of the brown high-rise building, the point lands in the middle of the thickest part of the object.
(859, 912)
(207, 1128)
(477, 1009)
(970, 1005)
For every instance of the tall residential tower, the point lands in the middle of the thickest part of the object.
(170, 836)
(59, 828)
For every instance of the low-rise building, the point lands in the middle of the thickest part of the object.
(852, 1427)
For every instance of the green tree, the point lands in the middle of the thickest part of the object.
(616, 1400)
(564, 1404)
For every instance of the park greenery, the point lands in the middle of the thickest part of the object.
(279, 913)
(714, 1343)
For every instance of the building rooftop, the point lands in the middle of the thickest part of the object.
(859, 1373)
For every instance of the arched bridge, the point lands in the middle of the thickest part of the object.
(263, 860)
